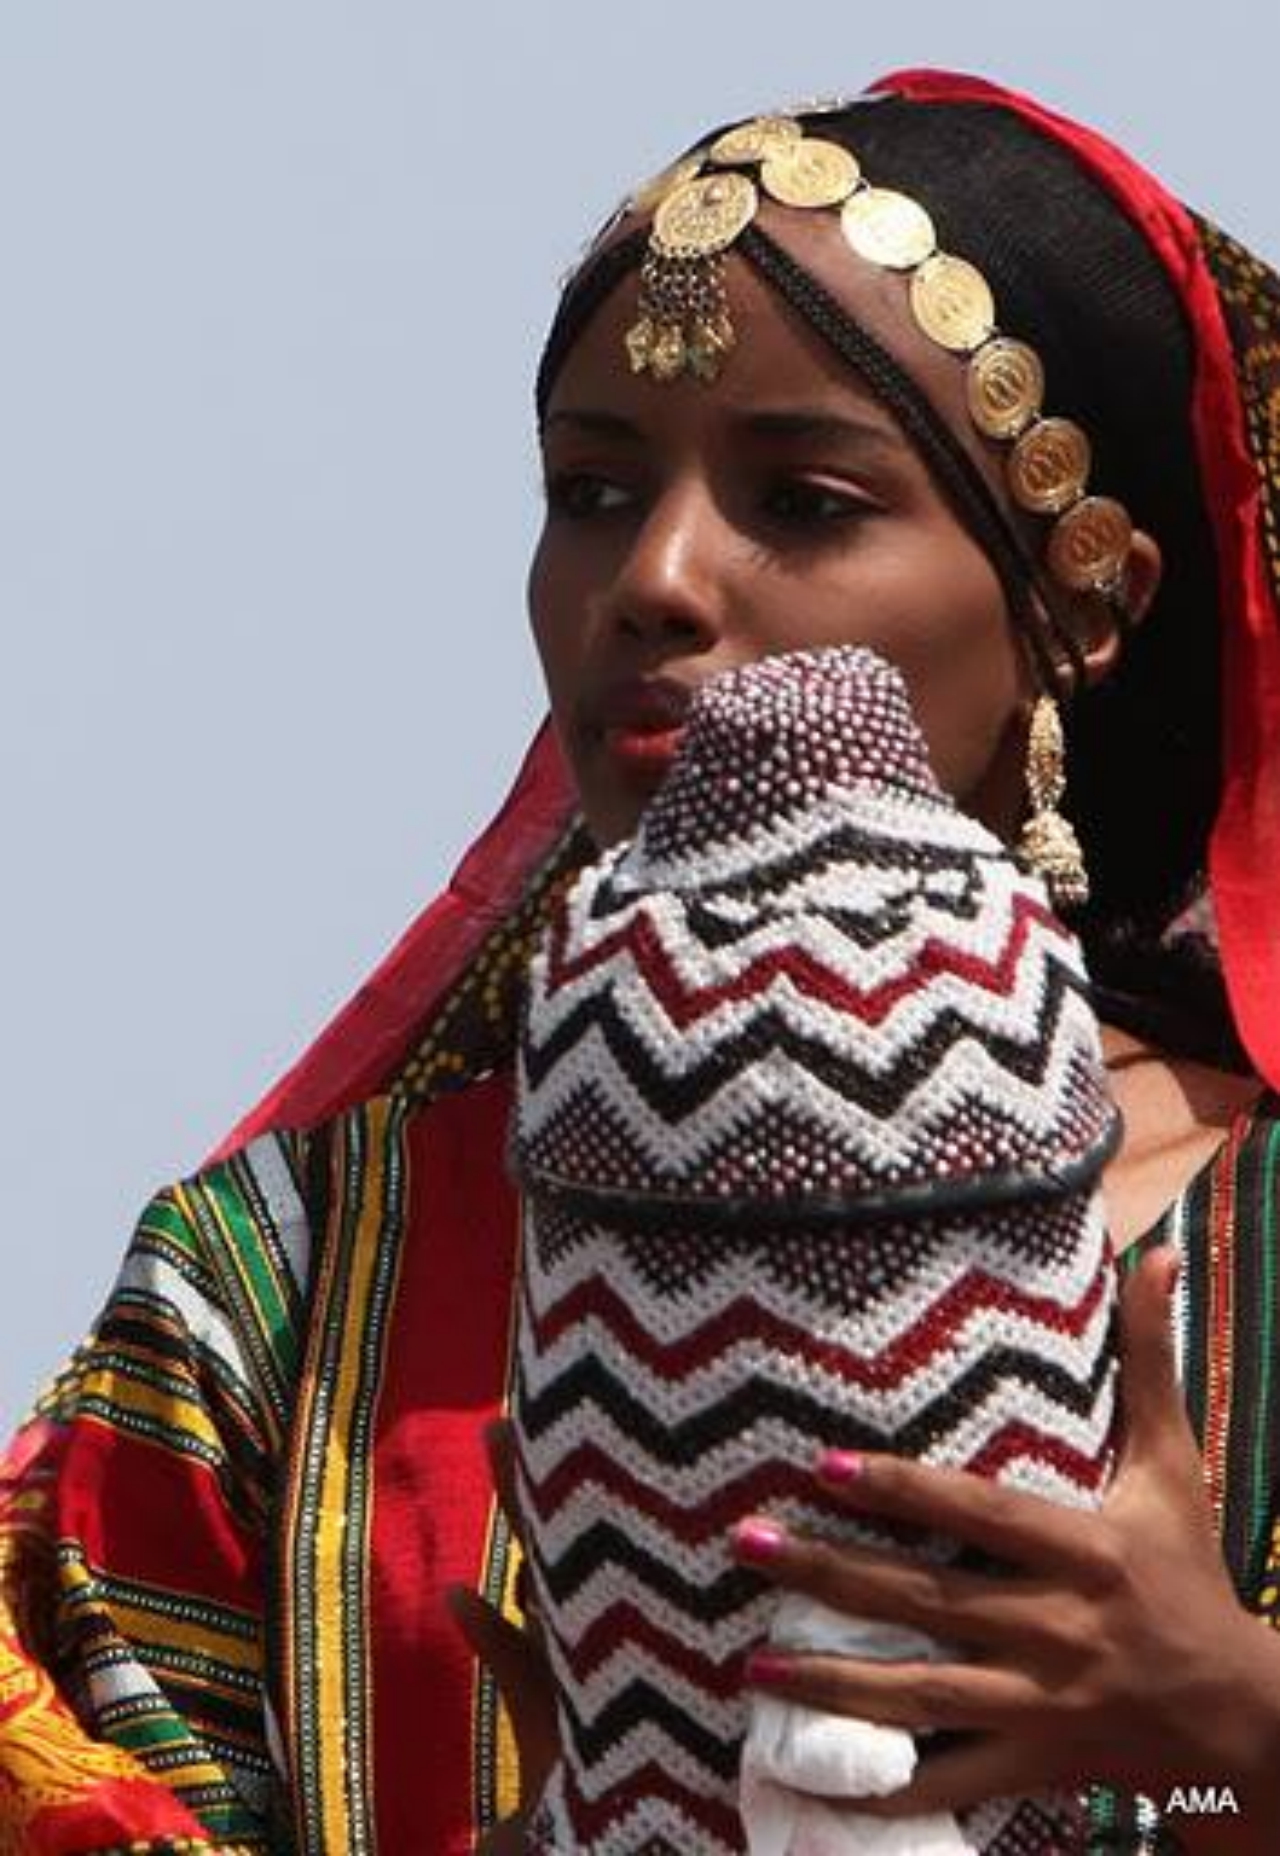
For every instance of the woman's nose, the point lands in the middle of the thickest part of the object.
(670, 590)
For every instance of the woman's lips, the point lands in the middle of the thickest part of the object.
(642, 724)
(643, 750)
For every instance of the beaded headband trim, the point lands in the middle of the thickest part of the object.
(683, 325)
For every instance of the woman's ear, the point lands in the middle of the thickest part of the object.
(1102, 623)
(1143, 573)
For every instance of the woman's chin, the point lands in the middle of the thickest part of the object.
(617, 786)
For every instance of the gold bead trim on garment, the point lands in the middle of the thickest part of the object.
(702, 203)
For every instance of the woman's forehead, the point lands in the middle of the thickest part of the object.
(778, 358)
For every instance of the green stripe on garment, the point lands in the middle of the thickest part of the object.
(152, 1734)
(1269, 1208)
(266, 1269)
(240, 1242)
(166, 1221)
(291, 1153)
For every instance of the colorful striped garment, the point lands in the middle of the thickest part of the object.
(225, 1536)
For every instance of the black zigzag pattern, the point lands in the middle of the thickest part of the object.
(851, 846)
(676, 1097)
(589, 1382)
(608, 1543)
(639, 1704)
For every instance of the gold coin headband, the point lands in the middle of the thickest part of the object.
(683, 323)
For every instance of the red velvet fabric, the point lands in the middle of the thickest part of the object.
(445, 1378)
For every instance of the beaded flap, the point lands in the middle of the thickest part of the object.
(810, 983)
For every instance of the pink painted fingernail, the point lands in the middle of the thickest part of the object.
(759, 1540)
(841, 1466)
(765, 1670)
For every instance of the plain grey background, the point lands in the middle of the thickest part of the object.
(273, 280)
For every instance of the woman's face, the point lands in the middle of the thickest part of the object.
(693, 528)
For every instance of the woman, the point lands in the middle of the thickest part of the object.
(230, 1531)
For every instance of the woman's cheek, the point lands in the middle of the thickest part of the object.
(554, 631)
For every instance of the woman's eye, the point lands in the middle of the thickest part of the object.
(797, 500)
(581, 493)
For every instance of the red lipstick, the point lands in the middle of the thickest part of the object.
(641, 722)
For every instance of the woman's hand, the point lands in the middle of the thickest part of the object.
(516, 1660)
(1116, 1652)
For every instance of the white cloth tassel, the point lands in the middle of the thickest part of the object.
(797, 1763)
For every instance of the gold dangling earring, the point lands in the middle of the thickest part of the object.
(1048, 844)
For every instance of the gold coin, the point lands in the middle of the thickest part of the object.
(887, 228)
(1006, 387)
(647, 198)
(704, 216)
(754, 141)
(1090, 544)
(1049, 466)
(810, 173)
(951, 301)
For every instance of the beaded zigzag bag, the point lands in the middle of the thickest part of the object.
(811, 1116)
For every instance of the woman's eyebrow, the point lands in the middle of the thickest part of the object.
(816, 423)
(596, 424)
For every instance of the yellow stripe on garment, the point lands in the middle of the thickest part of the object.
(507, 1757)
(160, 1628)
(168, 1417)
(328, 1636)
